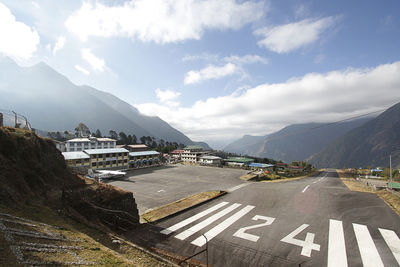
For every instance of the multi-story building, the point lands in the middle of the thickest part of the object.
(76, 159)
(192, 154)
(135, 148)
(143, 159)
(108, 158)
(80, 144)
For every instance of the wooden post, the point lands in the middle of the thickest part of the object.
(1, 119)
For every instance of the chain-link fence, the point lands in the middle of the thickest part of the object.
(13, 119)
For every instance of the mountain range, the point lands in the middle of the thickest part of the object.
(53, 103)
(356, 143)
(367, 145)
(295, 142)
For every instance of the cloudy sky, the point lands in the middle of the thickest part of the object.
(218, 69)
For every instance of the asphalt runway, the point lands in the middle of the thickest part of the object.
(315, 221)
(157, 186)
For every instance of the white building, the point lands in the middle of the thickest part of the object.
(210, 160)
(192, 154)
(80, 144)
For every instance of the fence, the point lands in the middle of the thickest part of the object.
(13, 119)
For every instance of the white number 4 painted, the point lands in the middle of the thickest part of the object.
(307, 244)
(241, 232)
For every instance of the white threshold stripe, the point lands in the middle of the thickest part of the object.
(304, 190)
(336, 245)
(369, 254)
(200, 241)
(189, 220)
(192, 230)
(236, 187)
(393, 242)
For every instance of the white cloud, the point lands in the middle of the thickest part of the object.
(162, 21)
(314, 97)
(210, 72)
(288, 37)
(82, 69)
(246, 59)
(168, 97)
(18, 40)
(59, 44)
(95, 62)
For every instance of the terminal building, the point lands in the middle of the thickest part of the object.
(80, 144)
(210, 160)
(96, 159)
(143, 159)
(192, 154)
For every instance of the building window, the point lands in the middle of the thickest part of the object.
(94, 164)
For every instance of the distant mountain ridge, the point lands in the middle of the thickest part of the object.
(367, 145)
(295, 142)
(53, 103)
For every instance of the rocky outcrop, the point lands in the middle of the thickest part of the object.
(33, 171)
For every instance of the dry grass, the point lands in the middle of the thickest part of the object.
(292, 179)
(96, 245)
(357, 186)
(392, 200)
(248, 176)
(179, 205)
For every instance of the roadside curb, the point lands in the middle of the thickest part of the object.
(222, 193)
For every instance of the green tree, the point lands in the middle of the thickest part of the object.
(98, 134)
(113, 134)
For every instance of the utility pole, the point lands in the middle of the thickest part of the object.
(391, 182)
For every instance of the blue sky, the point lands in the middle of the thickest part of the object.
(218, 69)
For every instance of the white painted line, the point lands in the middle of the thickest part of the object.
(393, 242)
(159, 191)
(192, 230)
(369, 254)
(304, 190)
(236, 187)
(336, 245)
(320, 179)
(200, 241)
(189, 220)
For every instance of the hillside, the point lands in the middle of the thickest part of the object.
(53, 103)
(295, 142)
(51, 217)
(33, 171)
(368, 145)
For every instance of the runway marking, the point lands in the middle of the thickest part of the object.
(305, 188)
(336, 245)
(393, 242)
(159, 191)
(307, 245)
(192, 230)
(242, 231)
(369, 254)
(189, 220)
(230, 190)
(200, 241)
(320, 179)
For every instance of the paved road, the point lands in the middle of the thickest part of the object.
(154, 187)
(316, 221)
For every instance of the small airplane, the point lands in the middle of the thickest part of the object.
(101, 175)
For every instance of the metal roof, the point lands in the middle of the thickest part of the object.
(143, 153)
(105, 151)
(75, 155)
(210, 157)
(260, 165)
(239, 159)
(138, 146)
(193, 147)
(91, 139)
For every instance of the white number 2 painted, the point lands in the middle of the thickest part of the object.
(307, 245)
(241, 232)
